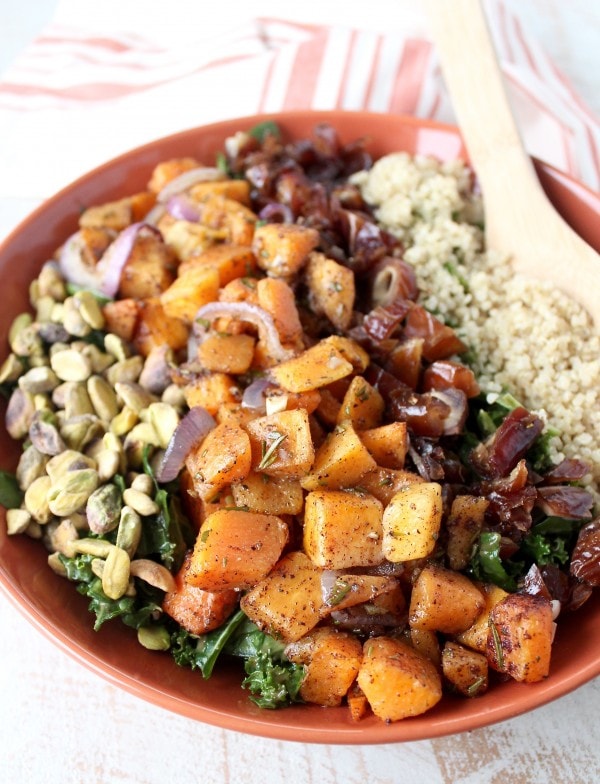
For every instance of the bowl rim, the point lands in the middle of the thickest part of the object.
(379, 733)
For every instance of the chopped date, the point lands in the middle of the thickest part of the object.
(497, 456)
(585, 560)
(571, 503)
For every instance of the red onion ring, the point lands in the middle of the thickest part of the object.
(182, 208)
(244, 311)
(188, 179)
(112, 263)
(254, 395)
(192, 429)
(276, 213)
(73, 267)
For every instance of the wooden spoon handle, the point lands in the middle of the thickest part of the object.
(479, 98)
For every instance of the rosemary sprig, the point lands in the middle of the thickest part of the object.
(269, 453)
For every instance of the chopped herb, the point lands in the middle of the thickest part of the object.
(203, 323)
(204, 535)
(73, 288)
(451, 267)
(339, 591)
(473, 689)
(386, 481)
(264, 129)
(497, 645)
(269, 452)
(363, 394)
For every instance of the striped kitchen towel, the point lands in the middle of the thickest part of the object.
(91, 87)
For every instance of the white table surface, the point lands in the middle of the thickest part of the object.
(60, 724)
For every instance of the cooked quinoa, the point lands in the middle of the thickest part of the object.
(525, 336)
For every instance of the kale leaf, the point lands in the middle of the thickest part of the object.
(134, 611)
(487, 565)
(271, 678)
(11, 494)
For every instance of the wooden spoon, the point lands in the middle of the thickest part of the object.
(519, 219)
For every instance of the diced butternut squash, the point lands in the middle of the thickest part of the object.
(150, 268)
(397, 681)
(197, 509)
(268, 494)
(117, 215)
(187, 239)
(226, 353)
(120, 317)
(238, 190)
(388, 444)
(236, 549)
(340, 461)
(189, 291)
(476, 635)
(520, 637)
(211, 391)
(282, 444)
(411, 522)
(358, 705)
(426, 643)
(384, 483)
(314, 368)
(332, 660)
(282, 249)
(154, 329)
(287, 603)
(362, 405)
(236, 413)
(277, 298)
(466, 670)
(219, 213)
(350, 350)
(230, 261)
(331, 289)
(444, 601)
(224, 456)
(197, 610)
(342, 529)
(165, 171)
(464, 525)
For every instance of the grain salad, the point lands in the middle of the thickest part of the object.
(278, 411)
(525, 336)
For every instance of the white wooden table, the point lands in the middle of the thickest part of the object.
(60, 724)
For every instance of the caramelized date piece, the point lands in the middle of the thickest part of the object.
(405, 361)
(498, 455)
(585, 561)
(439, 340)
(383, 320)
(569, 470)
(445, 374)
(572, 503)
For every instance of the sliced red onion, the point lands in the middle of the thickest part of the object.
(244, 311)
(192, 429)
(73, 266)
(181, 207)
(112, 263)
(188, 179)
(276, 213)
(328, 581)
(254, 395)
(155, 214)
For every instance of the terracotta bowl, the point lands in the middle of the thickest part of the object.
(58, 611)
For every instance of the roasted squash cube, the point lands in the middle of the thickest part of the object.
(224, 456)
(227, 353)
(331, 289)
(476, 635)
(411, 522)
(268, 494)
(197, 610)
(316, 367)
(342, 529)
(332, 660)
(282, 249)
(520, 637)
(282, 444)
(362, 405)
(464, 525)
(236, 549)
(193, 288)
(444, 601)
(466, 670)
(397, 681)
(287, 603)
(340, 461)
(387, 444)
